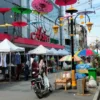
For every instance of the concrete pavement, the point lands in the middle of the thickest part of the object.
(22, 91)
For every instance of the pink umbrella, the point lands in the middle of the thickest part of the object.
(43, 6)
(65, 2)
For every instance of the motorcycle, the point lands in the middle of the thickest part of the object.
(41, 85)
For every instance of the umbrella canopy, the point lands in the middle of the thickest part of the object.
(85, 12)
(77, 52)
(19, 24)
(39, 50)
(7, 46)
(65, 2)
(69, 58)
(5, 25)
(21, 10)
(4, 10)
(43, 6)
(86, 52)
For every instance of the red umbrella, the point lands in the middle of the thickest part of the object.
(43, 6)
(3, 11)
(19, 24)
(65, 2)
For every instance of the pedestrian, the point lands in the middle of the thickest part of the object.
(26, 70)
(35, 68)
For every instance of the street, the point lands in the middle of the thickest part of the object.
(22, 91)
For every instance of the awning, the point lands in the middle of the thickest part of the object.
(30, 42)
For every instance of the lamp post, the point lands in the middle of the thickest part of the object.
(72, 23)
(71, 11)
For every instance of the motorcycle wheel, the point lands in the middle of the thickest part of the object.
(50, 88)
(39, 95)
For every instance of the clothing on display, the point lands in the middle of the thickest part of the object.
(17, 58)
(3, 60)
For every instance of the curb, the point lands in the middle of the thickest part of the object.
(97, 94)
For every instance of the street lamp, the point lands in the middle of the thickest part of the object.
(89, 25)
(72, 23)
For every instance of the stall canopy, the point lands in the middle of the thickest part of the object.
(53, 51)
(40, 50)
(7, 46)
(65, 52)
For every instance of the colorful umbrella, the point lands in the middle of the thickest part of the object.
(86, 52)
(3, 11)
(6, 25)
(65, 2)
(69, 58)
(21, 10)
(43, 6)
(77, 52)
(19, 24)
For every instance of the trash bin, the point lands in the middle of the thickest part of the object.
(92, 72)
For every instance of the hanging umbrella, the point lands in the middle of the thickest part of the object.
(86, 52)
(69, 58)
(35, 22)
(65, 2)
(19, 24)
(85, 12)
(6, 25)
(43, 6)
(3, 11)
(21, 10)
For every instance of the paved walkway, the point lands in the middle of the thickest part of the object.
(22, 91)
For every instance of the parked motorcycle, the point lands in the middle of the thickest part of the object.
(41, 85)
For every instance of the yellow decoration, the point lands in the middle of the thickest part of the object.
(61, 24)
(71, 8)
(55, 29)
(5, 25)
(61, 19)
(89, 26)
(82, 22)
(81, 16)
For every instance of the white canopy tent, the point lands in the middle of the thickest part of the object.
(7, 47)
(53, 51)
(65, 52)
(40, 50)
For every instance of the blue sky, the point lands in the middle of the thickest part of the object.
(95, 18)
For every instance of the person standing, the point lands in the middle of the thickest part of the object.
(26, 70)
(35, 68)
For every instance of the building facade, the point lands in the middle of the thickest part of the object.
(34, 21)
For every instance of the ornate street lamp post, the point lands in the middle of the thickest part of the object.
(71, 11)
(89, 25)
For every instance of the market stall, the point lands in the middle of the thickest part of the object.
(8, 47)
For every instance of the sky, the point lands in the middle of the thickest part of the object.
(95, 18)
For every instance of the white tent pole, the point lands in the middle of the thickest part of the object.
(10, 68)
